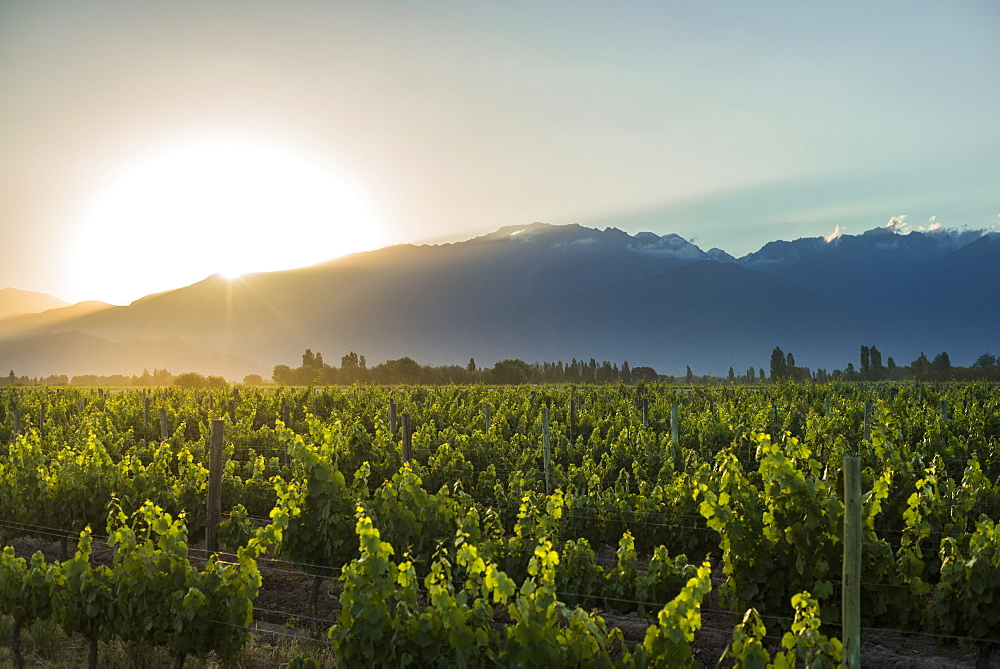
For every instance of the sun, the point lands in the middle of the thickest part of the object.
(216, 207)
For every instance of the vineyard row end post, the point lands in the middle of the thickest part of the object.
(546, 450)
(407, 439)
(851, 594)
(214, 504)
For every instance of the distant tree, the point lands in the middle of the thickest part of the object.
(732, 375)
(626, 373)
(760, 373)
(308, 358)
(190, 380)
(318, 360)
(876, 363)
(403, 370)
(941, 366)
(510, 372)
(216, 382)
(647, 374)
(282, 375)
(350, 361)
(921, 367)
(689, 377)
(985, 361)
(778, 364)
(253, 380)
(866, 363)
(471, 367)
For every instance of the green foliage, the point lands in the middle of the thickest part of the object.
(970, 577)
(84, 599)
(805, 644)
(782, 539)
(162, 599)
(235, 531)
(747, 647)
(319, 536)
(756, 483)
(668, 643)
(24, 587)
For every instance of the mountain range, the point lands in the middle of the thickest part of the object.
(544, 293)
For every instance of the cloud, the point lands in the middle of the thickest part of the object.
(836, 234)
(933, 225)
(898, 224)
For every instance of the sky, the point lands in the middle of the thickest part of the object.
(729, 123)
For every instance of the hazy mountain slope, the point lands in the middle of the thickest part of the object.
(706, 314)
(14, 301)
(402, 300)
(936, 288)
(21, 324)
(882, 270)
(75, 353)
(543, 292)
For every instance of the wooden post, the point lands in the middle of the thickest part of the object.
(407, 439)
(851, 595)
(83, 403)
(944, 411)
(572, 418)
(285, 420)
(145, 416)
(392, 419)
(675, 436)
(17, 422)
(486, 416)
(214, 486)
(827, 407)
(163, 424)
(41, 418)
(645, 412)
(675, 425)
(867, 432)
(546, 450)
(534, 396)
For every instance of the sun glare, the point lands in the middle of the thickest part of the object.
(216, 207)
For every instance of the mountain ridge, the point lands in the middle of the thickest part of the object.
(543, 292)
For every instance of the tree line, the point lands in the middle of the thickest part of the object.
(354, 369)
(871, 368)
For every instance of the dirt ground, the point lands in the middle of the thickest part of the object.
(282, 610)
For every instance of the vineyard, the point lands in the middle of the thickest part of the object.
(508, 526)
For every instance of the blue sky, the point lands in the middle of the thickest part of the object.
(733, 123)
